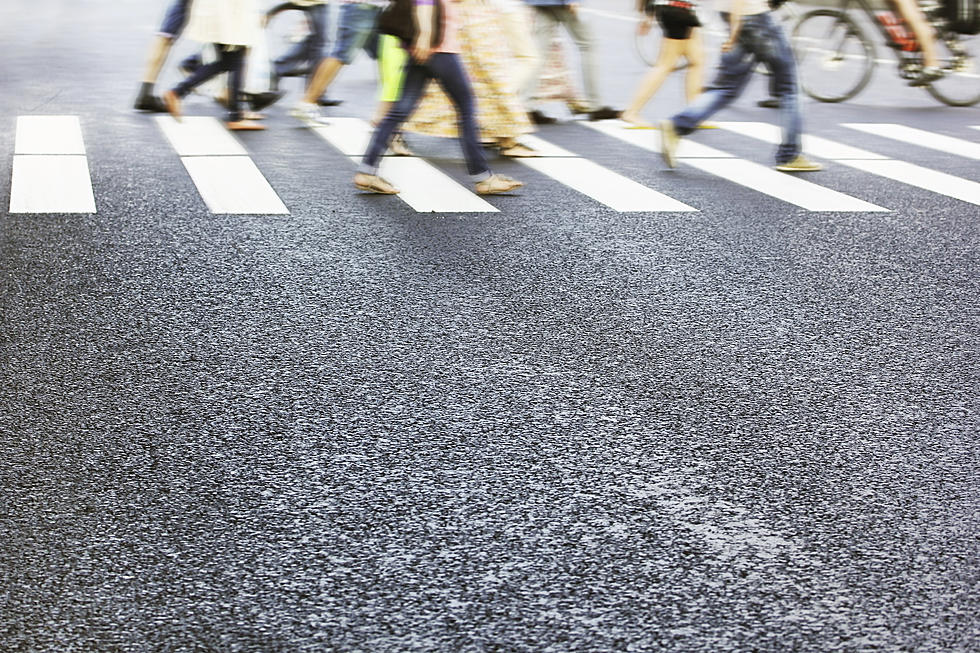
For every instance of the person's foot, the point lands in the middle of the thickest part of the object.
(799, 163)
(603, 113)
(668, 143)
(306, 112)
(150, 103)
(578, 106)
(259, 101)
(328, 102)
(539, 118)
(497, 184)
(927, 76)
(769, 103)
(399, 147)
(172, 102)
(373, 184)
(635, 121)
(518, 151)
(244, 126)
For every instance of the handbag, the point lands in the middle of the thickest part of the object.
(398, 19)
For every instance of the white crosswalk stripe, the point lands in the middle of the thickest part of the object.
(919, 137)
(423, 186)
(764, 179)
(50, 168)
(225, 176)
(601, 184)
(870, 162)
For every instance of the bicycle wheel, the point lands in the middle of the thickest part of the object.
(960, 59)
(834, 57)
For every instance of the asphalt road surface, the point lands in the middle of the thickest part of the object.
(560, 424)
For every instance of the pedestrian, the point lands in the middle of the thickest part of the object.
(753, 36)
(231, 26)
(305, 55)
(173, 24)
(555, 84)
(682, 38)
(356, 30)
(488, 64)
(548, 15)
(433, 56)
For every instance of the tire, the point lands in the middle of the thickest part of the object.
(960, 56)
(834, 57)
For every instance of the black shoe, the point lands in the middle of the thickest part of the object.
(769, 103)
(539, 118)
(327, 102)
(150, 103)
(190, 64)
(603, 113)
(259, 101)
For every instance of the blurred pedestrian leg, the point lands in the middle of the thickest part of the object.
(173, 24)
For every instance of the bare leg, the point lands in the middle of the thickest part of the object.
(921, 28)
(694, 53)
(157, 56)
(325, 74)
(670, 52)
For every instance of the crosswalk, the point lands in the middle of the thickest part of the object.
(50, 172)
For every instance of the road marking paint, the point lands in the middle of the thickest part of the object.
(783, 186)
(423, 186)
(913, 175)
(919, 137)
(601, 184)
(200, 136)
(49, 135)
(819, 147)
(780, 185)
(50, 172)
(225, 176)
(43, 183)
(650, 140)
(233, 184)
(901, 171)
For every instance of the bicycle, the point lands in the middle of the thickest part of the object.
(836, 58)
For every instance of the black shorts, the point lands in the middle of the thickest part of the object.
(677, 22)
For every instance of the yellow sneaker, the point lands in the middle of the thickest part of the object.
(799, 164)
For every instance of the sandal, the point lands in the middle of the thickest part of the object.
(373, 184)
(518, 150)
(244, 126)
(398, 146)
(496, 184)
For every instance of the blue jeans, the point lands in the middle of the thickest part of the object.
(760, 39)
(448, 69)
(356, 29)
(306, 54)
(175, 19)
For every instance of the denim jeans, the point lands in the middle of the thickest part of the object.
(447, 68)
(306, 54)
(760, 39)
(356, 29)
(231, 60)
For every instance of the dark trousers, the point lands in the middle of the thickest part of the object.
(306, 54)
(448, 70)
(231, 61)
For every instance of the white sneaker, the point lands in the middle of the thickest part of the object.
(306, 112)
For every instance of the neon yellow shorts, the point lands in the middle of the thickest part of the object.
(391, 66)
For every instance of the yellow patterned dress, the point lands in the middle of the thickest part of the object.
(499, 112)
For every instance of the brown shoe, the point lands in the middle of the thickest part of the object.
(172, 102)
(496, 184)
(373, 184)
(244, 126)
